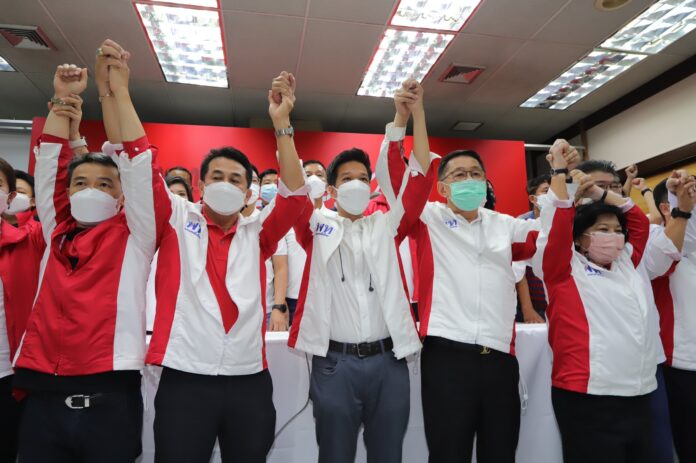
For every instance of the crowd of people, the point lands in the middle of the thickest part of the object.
(100, 249)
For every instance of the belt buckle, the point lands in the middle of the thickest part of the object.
(366, 346)
(485, 351)
(82, 401)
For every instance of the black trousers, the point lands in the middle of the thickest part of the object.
(468, 393)
(109, 431)
(603, 429)
(9, 422)
(192, 410)
(681, 396)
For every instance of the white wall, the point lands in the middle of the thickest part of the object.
(657, 125)
(14, 147)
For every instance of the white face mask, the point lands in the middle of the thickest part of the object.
(3, 201)
(20, 203)
(91, 206)
(353, 197)
(254, 194)
(317, 186)
(224, 198)
(541, 201)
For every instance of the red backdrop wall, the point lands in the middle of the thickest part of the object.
(187, 144)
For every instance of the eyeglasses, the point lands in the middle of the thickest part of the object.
(615, 187)
(459, 175)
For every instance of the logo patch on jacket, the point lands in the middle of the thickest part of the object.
(592, 271)
(194, 228)
(324, 229)
(452, 223)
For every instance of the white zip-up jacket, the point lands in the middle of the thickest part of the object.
(674, 280)
(188, 333)
(599, 319)
(320, 236)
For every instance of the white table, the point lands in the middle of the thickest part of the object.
(539, 438)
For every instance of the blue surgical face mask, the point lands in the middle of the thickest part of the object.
(269, 191)
(468, 195)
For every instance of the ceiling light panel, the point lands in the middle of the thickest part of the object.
(656, 28)
(202, 3)
(442, 15)
(187, 42)
(401, 55)
(5, 66)
(583, 78)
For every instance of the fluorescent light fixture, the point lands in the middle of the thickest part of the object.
(442, 15)
(187, 42)
(202, 3)
(402, 55)
(656, 28)
(583, 78)
(5, 66)
(463, 126)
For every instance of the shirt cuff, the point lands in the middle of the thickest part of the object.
(559, 203)
(392, 133)
(284, 191)
(136, 147)
(665, 245)
(46, 138)
(112, 149)
(415, 166)
(627, 206)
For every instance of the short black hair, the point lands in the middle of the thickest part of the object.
(267, 172)
(598, 165)
(490, 196)
(536, 182)
(21, 175)
(256, 171)
(661, 195)
(313, 161)
(230, 153)
(587, 215)
(176, 180)
(455, 154)
(9, 173)
(353, 154)
(166, 174)
(90, 158)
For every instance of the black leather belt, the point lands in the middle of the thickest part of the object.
(460, 346)
(363, 349)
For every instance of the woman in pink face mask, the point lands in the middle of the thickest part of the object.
(603, 339)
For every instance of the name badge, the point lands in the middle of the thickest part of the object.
(194, 228)
(324, 229)
(592, 271)
(452, 223)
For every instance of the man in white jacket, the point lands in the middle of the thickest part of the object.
(353, 313)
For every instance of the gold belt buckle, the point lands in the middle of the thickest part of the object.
(485, 351)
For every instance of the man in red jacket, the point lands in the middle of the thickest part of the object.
(84, 347)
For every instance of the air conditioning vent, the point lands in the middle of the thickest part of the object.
(27, 37)
(459, 74)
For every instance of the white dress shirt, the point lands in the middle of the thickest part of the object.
(356, 314)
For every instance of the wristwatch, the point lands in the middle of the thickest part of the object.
(290, 131)
(559, 171)
(281, 307)
(679, 214)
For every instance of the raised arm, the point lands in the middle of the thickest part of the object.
(288, 205)
(653, 211)
(54, 153)
(681, 196)
(109, 54)
(631, 174)
(147, 204)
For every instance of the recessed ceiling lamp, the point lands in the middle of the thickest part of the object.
(187, 43)
(583, 78)
(659, 26)
(5, 66)
(463, 126)
(441, 15)
(401, 55)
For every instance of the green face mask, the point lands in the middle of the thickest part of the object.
(468, 195)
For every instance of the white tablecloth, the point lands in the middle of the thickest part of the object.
(539, 438)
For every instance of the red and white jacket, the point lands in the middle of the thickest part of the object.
(674, 280)
(321, 234)
(466, 289)
(188, 333)
(20, 258)
(91, 319)
(600, 328)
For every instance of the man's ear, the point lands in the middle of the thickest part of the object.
(532, 199)
(665, 209)
(201, 187)
(442, 189)
(333, 191)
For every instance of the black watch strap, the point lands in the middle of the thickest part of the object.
(679, 214)
(281, 307)
(559, 171)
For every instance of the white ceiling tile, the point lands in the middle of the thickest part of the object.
(513, 18)
(276, 7)
(364, 11)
